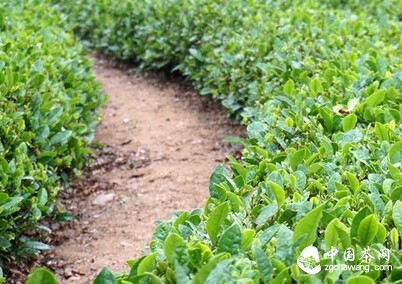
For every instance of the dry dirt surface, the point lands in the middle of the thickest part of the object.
(160, 142)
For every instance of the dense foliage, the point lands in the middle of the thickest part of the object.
(49, 105)
(319, 84)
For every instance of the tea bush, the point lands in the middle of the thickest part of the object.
(49, 106)
(319, 84)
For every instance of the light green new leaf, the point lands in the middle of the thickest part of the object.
(247, 236)
(331, 237)
(353, 181)
(216, 219)
(296, 158)
(361, 279)
(349, 122)
(316, 86)
(171, 243)
(367, 229)
(289, 87)
(147, 264)
(44, 276)
(381, 131)
(376, 98)
(279, 193)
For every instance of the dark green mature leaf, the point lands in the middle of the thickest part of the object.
(202, 274)
(61, 137)
(230, 241)
(4, 243)
(42, 133)
(105, 276)
(363, 213)
(264, 264)
(265, 213)
(217, 177)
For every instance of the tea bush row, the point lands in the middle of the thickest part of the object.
(49, 106)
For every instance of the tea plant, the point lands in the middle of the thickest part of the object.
(49, 106)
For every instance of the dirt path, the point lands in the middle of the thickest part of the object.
(161, 144)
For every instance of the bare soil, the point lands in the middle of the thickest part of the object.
(160, 142)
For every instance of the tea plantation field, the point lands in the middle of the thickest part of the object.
(318, 85)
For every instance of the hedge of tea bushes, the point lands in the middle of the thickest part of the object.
(49, 106)
(319, 85)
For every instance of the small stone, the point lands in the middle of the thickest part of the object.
(74, 279)
(68, 272)
(102, 199)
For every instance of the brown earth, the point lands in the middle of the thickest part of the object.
(161, 141)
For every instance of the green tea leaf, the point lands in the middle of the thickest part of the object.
(202, 274)
(296, 158)
(147, 264)
(105, 276)
(41, 276)
(230, 241)
(265, 213)
(289, 87)
(361, 279)
(349, 122)
(171, 243)
(217, 177)
(308, 226)
(376, 98)
(61, 137)
(367, 229)
(279, 193)
(216, 219)
(42, 133)
(381, 131)
(264, 264)
(4, 244)
(395, 154)
(397, 215)
(316, 86)
(247, 236)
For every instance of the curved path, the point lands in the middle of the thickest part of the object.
(161, 143)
